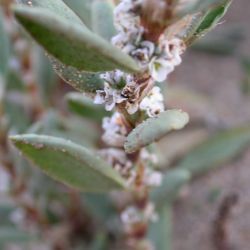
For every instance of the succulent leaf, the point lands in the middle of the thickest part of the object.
(102, 19)
(71, 43)
(69, 163)
(154, 129)
(56, 6)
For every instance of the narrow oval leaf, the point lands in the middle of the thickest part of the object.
(216, 151)
(160, 232)
(154, 129)
(69, 163)
(84, 106)
(56, 6)
(102, 19)
(206, 21)
(79, 80)
(71, 43)
(172, 182)
(13, 235)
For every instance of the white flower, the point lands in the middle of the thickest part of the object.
(153, 103)
(174, 49)
(145, 155)
(153, 178)
(114, 130)
(124, 16)
(143, 53)
(109, 96)
(113, 78)
(149, 213)
(160, 68)
(131, 215)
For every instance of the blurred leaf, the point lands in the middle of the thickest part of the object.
(68, 127)
(100, 206)
(102, 19)
(71, 43)
(84, 106)
(154, 129)
(100, 242)
(45, 76)
(15, 108)
(216, 151)
(69, 163)
(5, 212)
(82, 9)
(80, 80)
(206, 21)
(160, 232)
(14, 81)
(173, 181)
(4, 48)
(56, 6)
(13, 235)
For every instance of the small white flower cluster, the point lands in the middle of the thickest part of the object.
(119, 87)
(118, 159)
(153, 103)
(114, 130)
(156, 60)
(133, 215)
(159, 59)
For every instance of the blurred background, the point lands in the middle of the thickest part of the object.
(212, 85)
(215, 81)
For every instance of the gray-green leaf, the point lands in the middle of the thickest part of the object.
(216, 151)
(80, 80)
(71, 43)
(154, 129)
(56, 6)
(84, 106)
(172, 182)
(102, 19)
(69, 163)
(160, 232)
(82, 9)
(205, 21)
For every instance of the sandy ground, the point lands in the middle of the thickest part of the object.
(195, 214)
